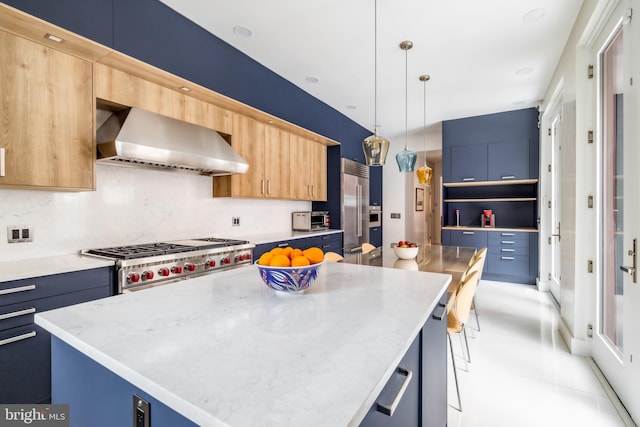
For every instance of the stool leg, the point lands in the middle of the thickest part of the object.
(455, 374)
(475, 312)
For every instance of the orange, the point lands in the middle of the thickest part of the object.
(276, 251)
(265, 258)
(287, 251)
(295, 252)
(314, 254)
(300, 261)
(280, 260)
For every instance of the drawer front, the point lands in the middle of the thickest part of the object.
(514, 265)
(25, 365)
(471, 238)
(508, 250)
(20, 314)
(497, 238)
(17, 291)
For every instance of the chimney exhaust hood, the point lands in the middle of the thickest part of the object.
(142, 139)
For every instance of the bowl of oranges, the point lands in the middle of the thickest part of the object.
(290, 269)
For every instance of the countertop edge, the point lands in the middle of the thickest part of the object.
(46, 266)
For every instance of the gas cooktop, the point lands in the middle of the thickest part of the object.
(164, 248)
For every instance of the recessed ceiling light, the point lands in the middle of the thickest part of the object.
(533, 15)
(242, 31)
(351, 107)
(524, 71)
(184, 89)
(311, 79)
(54, 38)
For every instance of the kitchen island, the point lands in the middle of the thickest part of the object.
(224, 350)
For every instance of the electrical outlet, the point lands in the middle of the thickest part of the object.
(19, 233)
(235, 221)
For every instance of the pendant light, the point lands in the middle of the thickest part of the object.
(375, 147)
(425, 172)
(406, 159)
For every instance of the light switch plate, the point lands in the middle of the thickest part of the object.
(19, 233)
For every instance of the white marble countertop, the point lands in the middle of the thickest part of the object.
(276, 237)
(36, 267)
(225, 350)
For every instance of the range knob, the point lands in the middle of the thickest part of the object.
(190, 267)
(176, 269)
(147, 275)
(211, 263)
(133, 278)
(164, 271)
(226, 261)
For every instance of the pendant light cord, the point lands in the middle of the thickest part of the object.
(375, 68)
(424, 84)
(406, 97)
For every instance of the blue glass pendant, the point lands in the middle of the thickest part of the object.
(406, 160)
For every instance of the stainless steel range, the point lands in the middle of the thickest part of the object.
(143, 266)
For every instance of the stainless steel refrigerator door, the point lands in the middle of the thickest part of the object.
(355, 205)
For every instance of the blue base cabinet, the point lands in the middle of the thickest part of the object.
(25, 362)
(331, 242)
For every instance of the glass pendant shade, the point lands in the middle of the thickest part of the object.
(406, 160)
(375, 150)
(424, 174)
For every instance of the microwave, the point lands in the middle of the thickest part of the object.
(310, 221)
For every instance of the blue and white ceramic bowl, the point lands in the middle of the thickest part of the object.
(289, 279)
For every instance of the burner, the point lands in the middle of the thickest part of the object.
(141, 251)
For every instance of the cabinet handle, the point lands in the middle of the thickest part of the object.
(262, 186)
(440, 315)
(508, 242)
(508, 250)
(469, 232)
(508, 234)
(2, 162)
(283, 245)
(507, 258)
(508, 177)
(18, 289)
(269, 187)
(328, 245)
(469, 179)
(390, 409)
(17, 338)
(17, 313)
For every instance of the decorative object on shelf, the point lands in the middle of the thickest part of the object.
(406, 159)
(425, 173)
(488, 219)
(419, 199)
(375, 147)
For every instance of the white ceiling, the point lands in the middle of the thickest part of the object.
(482, 55)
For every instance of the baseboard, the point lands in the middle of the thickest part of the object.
(578, 347)
(543, 286)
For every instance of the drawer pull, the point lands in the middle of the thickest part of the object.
(283, 245)
(439, 316)
(17, 313)
(508, 250)
(18, 338)
(390, 409)
(328, 245)
(508, 258)
(508, 234)
(2, 171)
(18, 289)
(508, 242)
(469, 179)
(508, 177)
(469, 232)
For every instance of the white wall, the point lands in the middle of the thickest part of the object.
(133, 206)
(398, 188)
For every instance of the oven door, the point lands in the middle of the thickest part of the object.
(375, 216)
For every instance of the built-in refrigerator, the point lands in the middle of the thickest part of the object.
(354, 204)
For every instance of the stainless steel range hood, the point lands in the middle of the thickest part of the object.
(139, 138)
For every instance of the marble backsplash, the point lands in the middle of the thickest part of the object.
(133, 206)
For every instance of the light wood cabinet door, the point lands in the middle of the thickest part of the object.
(47, 120)
(276, 163)
(248, 140)
(308, 169)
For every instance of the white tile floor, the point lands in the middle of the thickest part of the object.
(521, 373)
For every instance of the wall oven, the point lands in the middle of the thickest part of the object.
(375, 216)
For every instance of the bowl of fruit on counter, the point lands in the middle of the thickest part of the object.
(290, 269)
(405, 249)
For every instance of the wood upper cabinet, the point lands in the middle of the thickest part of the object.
(47, 112)
(266, 149)
(308, 169)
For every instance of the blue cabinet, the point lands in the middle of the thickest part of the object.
(508, 161)
(331, 242)
(469, 163)
(467, 238)
(25, 362)
(424, 402)
(375, 236)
